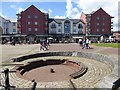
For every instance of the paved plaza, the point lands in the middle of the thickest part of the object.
(9, 51)
(96, 70)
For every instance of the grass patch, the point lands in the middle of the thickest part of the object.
(114, 45)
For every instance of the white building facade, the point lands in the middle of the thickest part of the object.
(4, 25)
(12, 28)
(7, 27)
(66, 29)
(66, 26)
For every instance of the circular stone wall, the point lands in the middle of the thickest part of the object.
(51, 70)
(101, 69)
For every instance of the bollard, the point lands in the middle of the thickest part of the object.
(7, 84)
(33, 85)
(116, 84)
(52, 70)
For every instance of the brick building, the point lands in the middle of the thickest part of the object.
(33, 23)
(97, 23)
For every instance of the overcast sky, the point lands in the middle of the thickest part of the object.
(61, 8)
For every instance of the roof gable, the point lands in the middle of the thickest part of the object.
(99, 10)
(32, 7)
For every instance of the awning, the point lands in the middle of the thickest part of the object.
(93, 35)
(77, 37)
(50, 38)
(5, 36)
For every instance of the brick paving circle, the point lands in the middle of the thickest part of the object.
(96, 71)
(43, 74)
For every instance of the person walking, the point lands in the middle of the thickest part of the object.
(41, 46)
(45, 45)
(87, 43)
(81, 42)
(84, 43)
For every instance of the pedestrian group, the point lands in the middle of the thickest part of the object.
(44, 45)
(84, 43)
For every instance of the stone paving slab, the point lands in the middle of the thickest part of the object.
(9, 52)
(94, 74)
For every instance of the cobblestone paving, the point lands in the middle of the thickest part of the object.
(96, 71)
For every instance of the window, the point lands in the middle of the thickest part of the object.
(80, 26)
(29, 29)
(80, 32)
(14, 24)
(7, 31)
(59, 30)
(36, 16)
(103, 18)
(103, 29)
(98, 24)
(14, 30)
(98, 18)
(74, 30)
(53, 32)
(46, 23)
(28, 23)
(103, 24)
(97, 29)
(53, 25)
(67, 27)
(29, 16)
(46, 18)
(36, 29)
(74, 25)
(59, 24)
(36, 23)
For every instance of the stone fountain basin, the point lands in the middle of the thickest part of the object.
(40, 70)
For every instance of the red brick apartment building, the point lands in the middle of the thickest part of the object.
(98, 22)
(32, 22)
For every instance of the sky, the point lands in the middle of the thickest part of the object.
(60, 8)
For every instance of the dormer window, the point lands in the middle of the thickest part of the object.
(80, 26)
(53, 25)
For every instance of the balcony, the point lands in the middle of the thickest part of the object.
(18, 20)
(53, 32)
(111, 26)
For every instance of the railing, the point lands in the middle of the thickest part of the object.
(4, 82)
(72, 85)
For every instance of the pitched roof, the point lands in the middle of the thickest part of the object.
(32, 6)
(93, 12)
(59, 20)
(99, 10)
